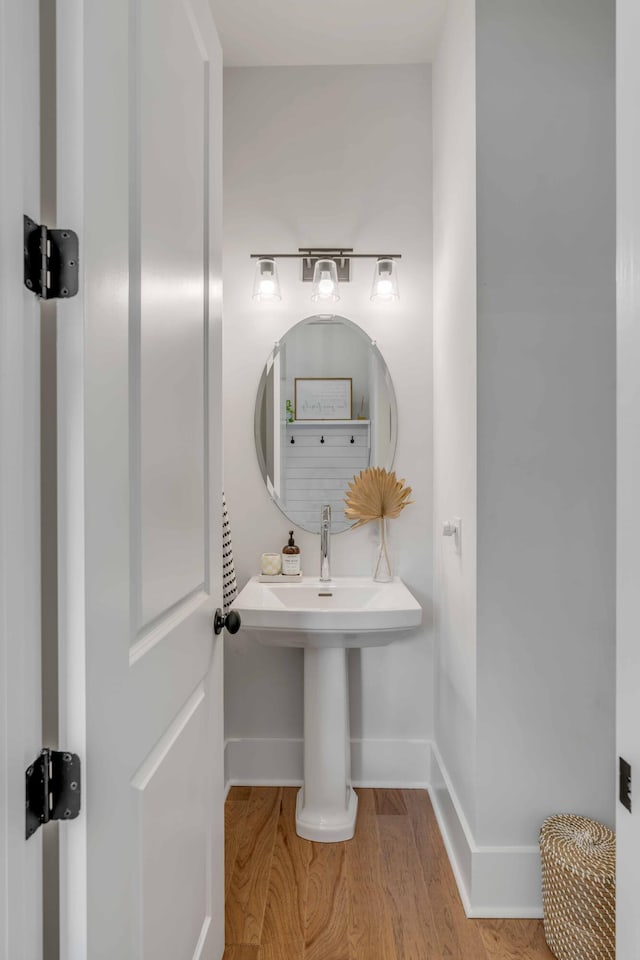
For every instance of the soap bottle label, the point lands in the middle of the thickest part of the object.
(290, 564)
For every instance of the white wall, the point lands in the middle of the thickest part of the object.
(628, 684)
(454, 200)
(546, 413)
(526, 653)
(323, 156)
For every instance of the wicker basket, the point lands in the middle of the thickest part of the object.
(578, 888)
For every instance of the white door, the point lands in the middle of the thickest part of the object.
(140, 478)
(20, 722)
(628, 560)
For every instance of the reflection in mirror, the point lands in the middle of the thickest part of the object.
(325, 410)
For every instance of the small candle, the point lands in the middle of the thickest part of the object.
(270, 564)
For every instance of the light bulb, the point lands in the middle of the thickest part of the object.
(325, 287)
(385, 281)
(325, 281)
(266, 286)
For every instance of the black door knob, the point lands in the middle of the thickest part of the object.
(231, 621)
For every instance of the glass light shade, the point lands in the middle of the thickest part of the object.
(385, 281)
(325, 281)
(266, 286)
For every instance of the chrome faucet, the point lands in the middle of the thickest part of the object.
(325, 544)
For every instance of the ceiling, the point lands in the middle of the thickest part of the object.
(306, 32)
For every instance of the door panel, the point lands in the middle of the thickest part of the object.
(172, 855)
(143, 428)
(173, 134)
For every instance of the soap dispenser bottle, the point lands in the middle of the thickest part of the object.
(291, 557)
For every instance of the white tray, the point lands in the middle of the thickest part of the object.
(279, 577)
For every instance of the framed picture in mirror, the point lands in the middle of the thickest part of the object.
(327, 398)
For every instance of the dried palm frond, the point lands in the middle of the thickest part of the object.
(375, 493)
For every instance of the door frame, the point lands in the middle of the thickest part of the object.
(20, 624)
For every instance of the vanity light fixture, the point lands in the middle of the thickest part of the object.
(385, 281)
(266, 286)
(325, 268)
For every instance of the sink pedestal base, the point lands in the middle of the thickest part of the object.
(327, 804)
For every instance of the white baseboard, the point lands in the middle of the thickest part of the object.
(492, 881)
(374, 763)
(268, 762)
(391, 763)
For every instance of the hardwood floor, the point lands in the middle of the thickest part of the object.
(388, 894)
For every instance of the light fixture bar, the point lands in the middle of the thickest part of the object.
(331, 254)
(341, 256)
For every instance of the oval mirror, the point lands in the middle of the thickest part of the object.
(325, 410)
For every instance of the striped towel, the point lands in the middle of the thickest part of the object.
(229, 584)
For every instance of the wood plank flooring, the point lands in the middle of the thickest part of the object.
(388, 894)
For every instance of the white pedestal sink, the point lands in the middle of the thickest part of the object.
(326, 619)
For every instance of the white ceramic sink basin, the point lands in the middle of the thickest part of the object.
(348, 611)
(325, 596)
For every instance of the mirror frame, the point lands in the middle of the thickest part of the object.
(393, 440)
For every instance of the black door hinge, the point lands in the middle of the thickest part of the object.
(50, 261)
(625, 783)
(52, 789)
